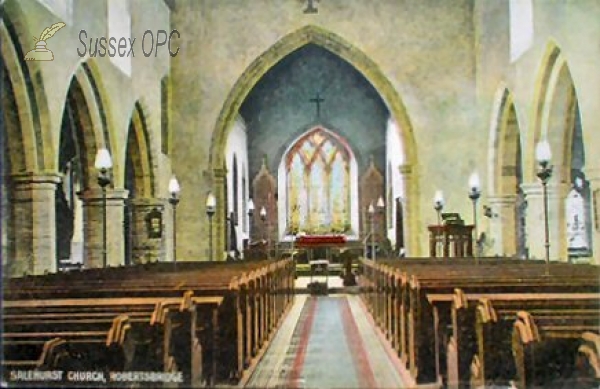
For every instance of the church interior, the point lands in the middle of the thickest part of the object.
(300, 193)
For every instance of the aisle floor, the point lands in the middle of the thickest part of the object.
(327, 342)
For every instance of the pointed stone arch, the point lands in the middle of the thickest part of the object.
(89, 77)
(27, 226)
(550, 59)
(555, 105)
(141, 246)
(93, 131)
(506, 195)
(81, 99)
(364, 65)
(554, 118)
(22, 134)
(33, 111)
(506, 146)
(140, 151)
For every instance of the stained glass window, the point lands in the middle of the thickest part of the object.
(318, 184)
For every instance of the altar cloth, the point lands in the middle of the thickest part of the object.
(310, 241)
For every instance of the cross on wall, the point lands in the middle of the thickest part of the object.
(317, 100)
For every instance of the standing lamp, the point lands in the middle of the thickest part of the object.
(438, 205)
(103, 163)
(371, 211)
(381, 218)
(474, 195)
(543, 155)
(174, 189)
(263, 217)
(211, 208)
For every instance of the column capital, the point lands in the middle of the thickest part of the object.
(532, 188)
(23, 181)
(536, 189)
(92, 195)
(502, 199)
(149, 202)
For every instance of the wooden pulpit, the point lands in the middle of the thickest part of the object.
(450, 240)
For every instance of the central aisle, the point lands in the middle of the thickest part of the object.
(327, 342)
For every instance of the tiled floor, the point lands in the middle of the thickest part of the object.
(327, 342)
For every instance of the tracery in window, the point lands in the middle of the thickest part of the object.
(318, 184)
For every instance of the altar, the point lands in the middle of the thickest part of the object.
(311, 242)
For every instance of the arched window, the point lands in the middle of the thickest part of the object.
(235, 186)
(521, 27)
(318, 184)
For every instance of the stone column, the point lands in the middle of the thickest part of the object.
(535, 226)
(32, 245)
(410, 202)
(147, 238)
(93, 227)
(503, 225)
(219, 223)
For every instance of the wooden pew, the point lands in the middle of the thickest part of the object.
(396, 294)
(588, 357)
(269, 284)
(162, 324)
(544, 338)
(484, 332)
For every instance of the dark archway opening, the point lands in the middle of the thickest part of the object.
(68, 205)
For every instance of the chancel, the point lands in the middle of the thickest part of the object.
(305, 194)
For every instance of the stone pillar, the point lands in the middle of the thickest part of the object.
(411, 226)
(149, 219)
(503, 225)
(32, 246)
(556, 221)
(219, 226)
(593, 176)
(93, 228)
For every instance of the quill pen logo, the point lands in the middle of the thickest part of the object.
(41, 53)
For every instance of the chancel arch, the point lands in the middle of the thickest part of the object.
(317, 186)
(507, 199)
(360, 62)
